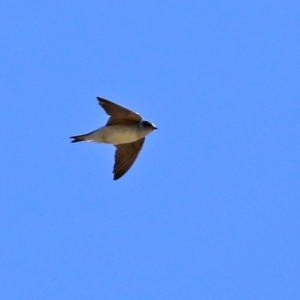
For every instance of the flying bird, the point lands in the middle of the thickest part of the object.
(124, 129)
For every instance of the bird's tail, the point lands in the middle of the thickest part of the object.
(79, 138)
(92, 136)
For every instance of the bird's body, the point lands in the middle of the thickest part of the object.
(115, 134)
(125, 129)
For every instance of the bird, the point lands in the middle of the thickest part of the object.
(125, 129)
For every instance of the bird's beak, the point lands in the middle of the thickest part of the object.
(154, 128)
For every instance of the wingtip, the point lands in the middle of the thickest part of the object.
(116, 177)
(100, 99)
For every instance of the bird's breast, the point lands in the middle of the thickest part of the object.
(120, 134)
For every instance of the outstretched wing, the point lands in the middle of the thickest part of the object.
(125, 156)
(118, 114)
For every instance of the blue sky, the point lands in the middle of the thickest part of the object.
(210, 209)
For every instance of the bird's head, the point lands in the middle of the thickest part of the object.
(148, 126)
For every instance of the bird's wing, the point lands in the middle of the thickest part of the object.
(125, 156)
(118, 114)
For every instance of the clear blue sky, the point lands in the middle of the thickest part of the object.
(210, 209)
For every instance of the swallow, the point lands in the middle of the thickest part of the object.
(125, 129)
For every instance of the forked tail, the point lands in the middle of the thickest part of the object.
(79, 138)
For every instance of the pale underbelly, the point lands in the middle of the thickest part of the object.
(118, 135)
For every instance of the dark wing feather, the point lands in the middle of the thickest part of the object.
(125, 156)
(118, 114)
